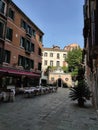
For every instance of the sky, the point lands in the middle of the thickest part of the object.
(60, 20)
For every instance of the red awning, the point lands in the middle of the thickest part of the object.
(18, 72)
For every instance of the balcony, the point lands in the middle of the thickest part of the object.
(28, 34)
(27, 52)
(2, 38)
(6, 64)
(20, 67)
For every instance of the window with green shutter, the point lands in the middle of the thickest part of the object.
(11, 13)
(7, 56)
(22, 42)
(39, 66)
(1, 29)
(9, 34)
(23, 24)
(2, 6)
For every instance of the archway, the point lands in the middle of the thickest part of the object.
(59, 82)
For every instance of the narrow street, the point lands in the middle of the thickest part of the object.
(52, 111)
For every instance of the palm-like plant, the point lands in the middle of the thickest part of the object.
(81, 93)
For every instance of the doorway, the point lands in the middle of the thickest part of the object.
(59, 82)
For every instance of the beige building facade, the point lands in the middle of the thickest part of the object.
(53, 57)
(60, 79)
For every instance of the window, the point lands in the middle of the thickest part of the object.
(32, 64)
(29, 30)
(27, 46)
(39, 66)
(58, 56)
(25, 62)
(45, 54)
(2, 7)
(9, 34)
(51, 54)
(51, 63)
(20, 60)
(52, 78)
(39, 51)
(1, 55)
(7, 56)
(57, 63)
(11, 13)
(23, 24)
(66, 79)
(22, 42)
(28, 63)
(32, 47)
(45, 62)
(64, 55)
(34, 33)
(42, 53)
(40, 38)
(1, 29)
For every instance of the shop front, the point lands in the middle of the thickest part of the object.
(17, 78)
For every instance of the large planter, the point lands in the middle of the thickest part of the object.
(81, 102)
(81, 93)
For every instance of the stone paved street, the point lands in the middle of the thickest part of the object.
(52, 111)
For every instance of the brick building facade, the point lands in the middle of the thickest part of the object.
(20, 47)
(90, 33)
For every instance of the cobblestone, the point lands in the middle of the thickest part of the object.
(52, 111)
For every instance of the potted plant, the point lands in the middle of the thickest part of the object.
(81, 93)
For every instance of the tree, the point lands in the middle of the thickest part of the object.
(65, 69)
(74, 59)
(47, 70)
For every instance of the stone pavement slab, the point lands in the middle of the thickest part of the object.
(52, 111)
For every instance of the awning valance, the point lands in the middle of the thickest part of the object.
(18, 72)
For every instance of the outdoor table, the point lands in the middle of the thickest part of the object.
(38, 91)
(55, 89)
(12, 95)
(43, 90)
(9, 95)
(51, 89)
(30, 92)
(5, 96)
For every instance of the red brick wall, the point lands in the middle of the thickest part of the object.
(14, 45)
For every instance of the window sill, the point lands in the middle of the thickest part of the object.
(8, 40)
